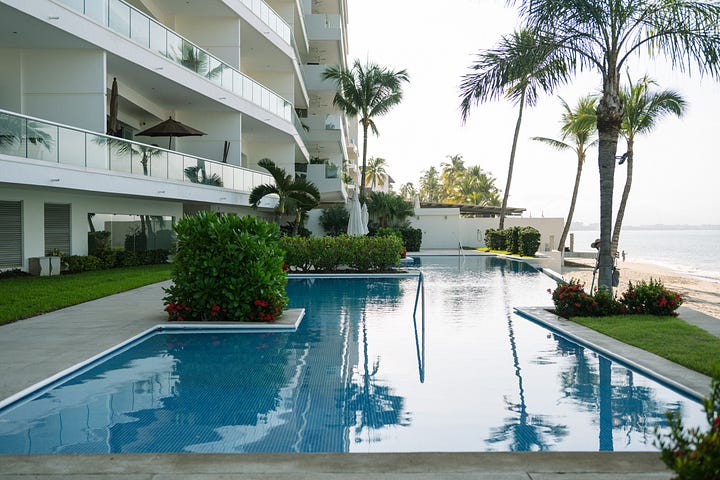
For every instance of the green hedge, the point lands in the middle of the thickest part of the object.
(106, 259)
(411, 237)
(330, 254)
(226, 268)
(518, 240)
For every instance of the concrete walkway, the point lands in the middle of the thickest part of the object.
(34, 349)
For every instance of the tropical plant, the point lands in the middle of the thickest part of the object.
(476, 188)
(366, 92)
(389, 209)
(692, 453)
(578, 126)
(452, 173)
(334, 220)
(430, 186)
(408, 191)
(197, 174)
(519, 68)
(288, 189)
(375, 175)
(13, 130)
(643, 109)
(604, 35)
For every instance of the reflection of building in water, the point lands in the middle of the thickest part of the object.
(76, 414)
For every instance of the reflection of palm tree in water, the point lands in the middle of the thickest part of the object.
(374, 403)
(524, 431)
(625, 407)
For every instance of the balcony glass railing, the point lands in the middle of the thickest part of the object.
(143, 30)
(270, 18)
(22, 136)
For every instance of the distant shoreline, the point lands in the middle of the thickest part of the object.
(596, 227)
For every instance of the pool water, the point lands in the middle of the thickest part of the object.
(360, 375)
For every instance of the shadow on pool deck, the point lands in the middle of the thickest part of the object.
(36, 348)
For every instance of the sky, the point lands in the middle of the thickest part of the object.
(676, 175)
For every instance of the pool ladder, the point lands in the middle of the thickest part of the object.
(420, 341)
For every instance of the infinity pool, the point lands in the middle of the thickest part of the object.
(361, 374)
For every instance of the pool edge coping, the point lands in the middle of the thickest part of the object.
(248, 327)
(636, 358)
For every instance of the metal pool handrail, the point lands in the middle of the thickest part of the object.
(420, 343)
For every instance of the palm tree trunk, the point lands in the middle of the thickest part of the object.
(512, 163)
(362, 174)
(609, 119)
(623, 200)
(568, 221)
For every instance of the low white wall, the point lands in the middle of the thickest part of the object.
(444, 228)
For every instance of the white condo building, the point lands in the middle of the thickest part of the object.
(245, 73)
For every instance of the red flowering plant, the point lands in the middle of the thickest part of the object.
(691, 453)
(571, 300)
(264, 311)
(650, 298)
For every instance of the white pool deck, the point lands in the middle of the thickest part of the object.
(37, 348)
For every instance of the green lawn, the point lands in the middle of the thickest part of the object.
(668, 337)
(27, 296)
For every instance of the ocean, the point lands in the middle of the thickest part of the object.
(692, 252)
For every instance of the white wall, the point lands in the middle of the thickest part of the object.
(219, 126)
(218, 35)
(444, 228)
(11, 79)
(282, 154)
(82, 203)
(65, 86)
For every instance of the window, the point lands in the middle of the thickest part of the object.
(11, 244)
(57, 228)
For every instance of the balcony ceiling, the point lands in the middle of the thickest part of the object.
(199, 8)
(18, 30)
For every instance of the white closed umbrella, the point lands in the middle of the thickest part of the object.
(365, 218)
(355, 225)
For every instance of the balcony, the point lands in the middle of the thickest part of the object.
(327, 179)
(131, 23)
(27, 137)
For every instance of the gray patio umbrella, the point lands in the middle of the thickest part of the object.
(171, 128)
(112, 125)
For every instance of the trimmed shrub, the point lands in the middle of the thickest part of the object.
(328, 254)
(650, 298)
(494, 239)
(512, 239)
(80, 263)
(226, 268)
(529, 241)
(412, 238)
(98, 242)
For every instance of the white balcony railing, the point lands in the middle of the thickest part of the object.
(27, 137)
(143, 30)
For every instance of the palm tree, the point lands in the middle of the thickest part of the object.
(518, 68)
(286, 188)
(407, 191)
(452, 173)
(366, 92)
(579, 127)
(604, 35)
(389, 209)
(375, 174)
(643, 109)
(430, 187)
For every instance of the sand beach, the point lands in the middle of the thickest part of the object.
(701, 295)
